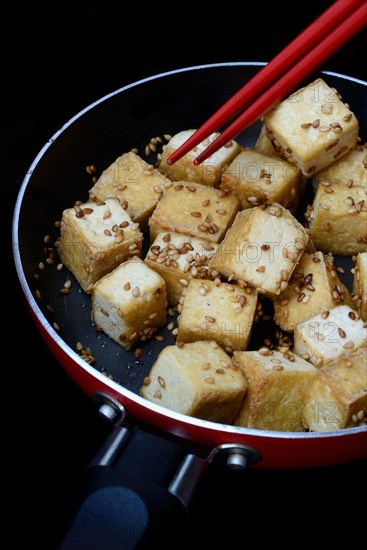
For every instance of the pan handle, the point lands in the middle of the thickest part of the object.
(138, 489)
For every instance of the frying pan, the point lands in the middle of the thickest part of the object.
(127, 118)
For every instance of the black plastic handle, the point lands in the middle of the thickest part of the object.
(125, 500)
(119, 511)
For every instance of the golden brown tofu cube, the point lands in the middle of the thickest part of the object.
(221, 312)
(198, 379)
(130, 303)
(96, 238)
(325, 337)
(262, 248)
(258, 179)
(313, 288)
(264, 144)
(135, 183)
(350, 170)
(276, 389)
(208, 172)
(360, 284)
(313, 127)
(338, 219)
(179, 258)
(337, 396)
(196, 210)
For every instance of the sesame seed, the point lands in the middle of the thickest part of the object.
(278, 367)
(161, 381)
(135, 291)
(56, 326)
(205, 203)
(325, 314)
(159, 337)
(318, 362)
(348, 345)
(210, 319)
(354, 418)
(341, 333)
(209, 380)
(306, 125)
(360, 415)
(196, 214)
(265, 351)
(157, 394)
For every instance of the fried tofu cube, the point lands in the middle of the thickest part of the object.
(330, 335)
(130, 303)
(208, 172)
(276, 389)
(313, 288)
(262, 248)
(313, 127)
(337, 396)
(135, 183)
(179, 258)
(351, 170)
(360, 284)
(96, 238)
(196, 210)
(198, 379)
(265, 145)
(258, 179)
(222, 312)
(338, 219)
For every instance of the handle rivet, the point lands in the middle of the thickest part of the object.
(237, 461)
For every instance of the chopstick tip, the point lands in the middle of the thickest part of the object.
(196, 161)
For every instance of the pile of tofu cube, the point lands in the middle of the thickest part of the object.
(224, 239)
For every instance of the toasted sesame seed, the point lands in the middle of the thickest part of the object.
(341, 333)
(360, 415)
(265, 351)
(157, 394)
(135, 291)
(159, 337)
(210, 319)
(306, 125)
(161, 381)
(209, 380)
(325, 314)
(355, 419)
(348, 345)
(327, 108)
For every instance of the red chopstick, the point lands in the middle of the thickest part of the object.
(323, 26)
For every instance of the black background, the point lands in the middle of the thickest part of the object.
(55, 61)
